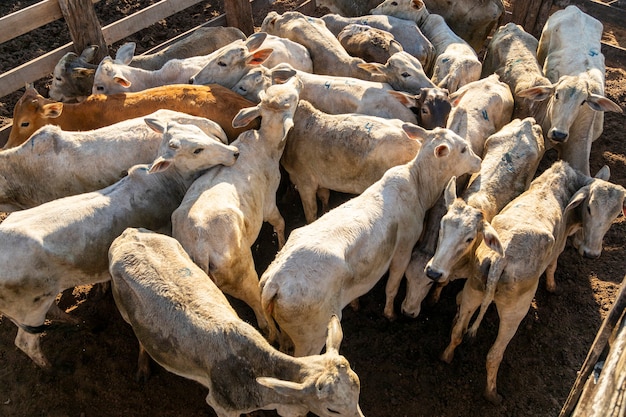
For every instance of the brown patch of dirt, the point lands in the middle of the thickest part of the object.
(397, 362)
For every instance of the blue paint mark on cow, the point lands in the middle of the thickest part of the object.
(445, 60)
(485, 115)
(327, 85)
(593, 52)
(184, 272)
(368, 127)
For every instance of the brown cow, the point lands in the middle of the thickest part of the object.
(214, 102)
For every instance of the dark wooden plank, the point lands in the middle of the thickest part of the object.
(82, 21)
(239, 14)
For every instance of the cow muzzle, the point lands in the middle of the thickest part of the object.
(557, 135)
(432, 274)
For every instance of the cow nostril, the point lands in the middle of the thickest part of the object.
(589, 255)
(236, 155)
(558, 136)
(432, 274)
(191, 80)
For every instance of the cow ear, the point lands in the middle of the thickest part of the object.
(577, 198)
(334, 335)
(406, 99)
(601, 103)
(52, 110)
(604, 173)
(414, 131)
(491, 238)
(125, 53)
(159, 165)
(123, 81)
(442, 150)
(449, 193)
(89, 53)
(539, 93)
(285, 388)
(155, 124)
(245, 116)
(455, 98)
(417, 4)
(373, 68)
(255, 40)
(259, 57)
(83, 73)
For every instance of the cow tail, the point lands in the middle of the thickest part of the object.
(269, 292)
(497, 267)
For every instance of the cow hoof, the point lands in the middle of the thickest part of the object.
(493, 397)
(447, 356)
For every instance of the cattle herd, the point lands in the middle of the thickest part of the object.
(161, 170)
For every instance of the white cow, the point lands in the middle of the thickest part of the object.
(406, 32)
(327, 54)
(153, 277)
(117, 76)
(73, 75)
(229, 66)
(63, 243)
(512, 55)
(509, 164)
(480, 109)
(573, 62)
(223, 212)
(532, 230)
(55, 163)
(343, 152)
(335, 95)
(342, 255)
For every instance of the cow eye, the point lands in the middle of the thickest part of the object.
(330, 410)
(584, 101)
(464, 149)
(469, 240)
(589, 209)
(405, 74)
(556, 96)
(424, 111)
(100, 88)
(25, 124)
(394, 3)
(221, 63)
(58, 78)
(198, 151)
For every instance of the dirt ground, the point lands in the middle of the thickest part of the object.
(397, 362)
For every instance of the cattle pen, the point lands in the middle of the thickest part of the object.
(392, 371)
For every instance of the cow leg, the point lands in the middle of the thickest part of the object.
(246, 288)
(324, 195)
(398, 265)
(417, 284)
(511, 316)
(29, 343)
(278, 222)
(309, 202)
(143, 365)
(470, 299)
(551, 269)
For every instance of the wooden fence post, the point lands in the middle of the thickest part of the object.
(80, 17)
(239, 15)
